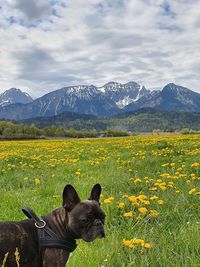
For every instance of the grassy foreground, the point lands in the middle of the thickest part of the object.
(151, 191)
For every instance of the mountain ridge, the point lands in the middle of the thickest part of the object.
(142, 120)
(107, 100)
(14, 96)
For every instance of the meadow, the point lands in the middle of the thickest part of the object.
(151, 193)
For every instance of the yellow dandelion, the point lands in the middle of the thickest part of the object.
(195, 165)
(192, 191)
(137, 180)
(37, 181)
(139, 242)
(133, 198)
(153, 189)
(147, 245)
(143, 210)
(153, 198)
(107, 201)
(121, 205)
(128, 214)
(128, 243)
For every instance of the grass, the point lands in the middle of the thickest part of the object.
(159, 173)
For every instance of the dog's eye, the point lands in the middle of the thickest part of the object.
(84, 220)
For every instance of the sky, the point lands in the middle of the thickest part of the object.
(46, 45)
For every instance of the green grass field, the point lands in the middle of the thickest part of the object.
(151, 191)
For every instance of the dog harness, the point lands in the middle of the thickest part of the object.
(47, 238)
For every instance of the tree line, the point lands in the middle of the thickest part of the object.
(10, 130)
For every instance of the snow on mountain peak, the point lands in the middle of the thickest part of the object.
(14, 95)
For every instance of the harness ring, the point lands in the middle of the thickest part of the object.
(40, 226)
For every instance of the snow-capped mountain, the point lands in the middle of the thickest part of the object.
(80, 99)
(123, 94)
(110, 99)
(13, 96)
(171, 98)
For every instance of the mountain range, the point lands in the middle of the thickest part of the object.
(111, 99)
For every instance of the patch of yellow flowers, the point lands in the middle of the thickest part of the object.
(133, 243)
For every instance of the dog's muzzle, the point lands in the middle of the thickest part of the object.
(98, 223)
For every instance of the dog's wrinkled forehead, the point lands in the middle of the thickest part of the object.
(91, 207)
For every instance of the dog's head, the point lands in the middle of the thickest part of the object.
(85, 218)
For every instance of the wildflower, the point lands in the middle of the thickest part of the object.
(160, 202)
(37, 181)
(108, 200)
(145, 202)
(133, 198)
(121, 205)
(141, 197)
(128, 243)
(137, 180)
(162, 187)
(136, 243)
(142, 210)
(193, 190)
(128, 214)
(153, 189)
(153, 198)
(154, 213)
(139, 242)
(147, 246)
(195, 165)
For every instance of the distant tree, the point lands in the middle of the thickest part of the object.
(115, 133)
(156, 131)
(170, 130)
(185, 131)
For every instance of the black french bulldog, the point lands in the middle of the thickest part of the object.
(77, 219)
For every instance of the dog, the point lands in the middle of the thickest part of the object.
(20, 242)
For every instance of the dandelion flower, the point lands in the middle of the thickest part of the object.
(128, 214)
(193, 190)
(142, 210)
(121, 205)
(37, 181)
(147, 246)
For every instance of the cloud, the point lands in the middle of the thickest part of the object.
(49, 44)
(31, 9)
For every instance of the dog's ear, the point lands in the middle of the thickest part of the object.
(95, 193)
(70, 197)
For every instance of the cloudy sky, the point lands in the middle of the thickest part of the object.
(45, 45)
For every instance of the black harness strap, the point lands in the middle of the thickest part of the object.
(48, 238)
